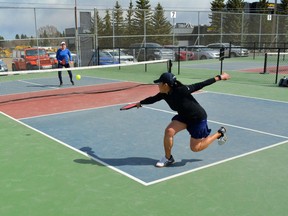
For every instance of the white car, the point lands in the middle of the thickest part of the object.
(202, 52)
(3, 66)
(116, 55)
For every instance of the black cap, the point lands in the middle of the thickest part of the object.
(166, 77)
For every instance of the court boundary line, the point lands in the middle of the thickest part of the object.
(37, 84)
(170, 112)
(225, 160)
(71, 87)
(133, 177)
(245, 96)
(221, 123)
(77, 150)
(217, 163)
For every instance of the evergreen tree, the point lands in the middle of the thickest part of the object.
(99, 28)
(284, 7)
(32, 42)
(142, 21)
(232, 25)
(283, 21)
(161, 26)
(118, 24)
(256, 19)
(129, 25)
(45, 41)
(217, 7)
(108, 31)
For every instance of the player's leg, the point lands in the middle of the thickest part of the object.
(60, 77)
(71, 77)
(70, 73)
(171, 130)
(197, 145)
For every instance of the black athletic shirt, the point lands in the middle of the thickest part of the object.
(181, 100)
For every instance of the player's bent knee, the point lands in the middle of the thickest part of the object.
(169, 132)
(195, 148)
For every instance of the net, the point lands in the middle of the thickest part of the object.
(276, 62)
(24, 86)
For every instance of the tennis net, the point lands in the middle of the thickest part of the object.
(22, 86)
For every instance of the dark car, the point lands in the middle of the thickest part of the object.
(235, 51)
(150, 52)
(3, 66)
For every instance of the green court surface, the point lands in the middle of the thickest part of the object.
(40, 176)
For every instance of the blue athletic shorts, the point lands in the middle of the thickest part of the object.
(197, 130)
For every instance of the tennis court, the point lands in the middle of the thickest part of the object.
(70, 151)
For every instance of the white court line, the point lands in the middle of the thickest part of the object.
(221, 123)
(36, 84)
(216, 163)
(182, 173)
(77, 150)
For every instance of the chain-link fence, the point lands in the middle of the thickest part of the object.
(87, 30)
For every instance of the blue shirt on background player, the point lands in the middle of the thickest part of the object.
(63, 57)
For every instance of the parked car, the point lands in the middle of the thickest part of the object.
(3, 66)
(150, 51)
(180, 53)
(116, 54)
(202, 52)
(103, 59)
(235, 51)
(31, 59)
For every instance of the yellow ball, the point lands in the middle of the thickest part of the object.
(78, 77)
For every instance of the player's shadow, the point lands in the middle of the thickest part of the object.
(136, 161)
(42, 86)
(114, 161)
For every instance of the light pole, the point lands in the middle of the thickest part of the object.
(76, 32)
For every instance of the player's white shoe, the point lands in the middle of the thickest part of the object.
(223, 138)
(165, 162)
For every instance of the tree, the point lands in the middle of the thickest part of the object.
(118, 24)
(48, 33)
(283, 21)
(98, 27)
(233, 21)
(284, 7)
(108, 32)
(254, 20)
(160, 26)
(217, 6)
(142, 21)
(129, 27)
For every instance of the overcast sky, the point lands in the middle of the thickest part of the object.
(21, 21)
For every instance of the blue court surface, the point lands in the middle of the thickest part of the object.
(44, 84)
(130, 142)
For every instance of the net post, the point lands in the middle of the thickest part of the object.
(169, 65)
(119, 50)
(265, 64)
(277, 66)
(178, 60)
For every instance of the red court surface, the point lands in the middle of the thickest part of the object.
(76, 98)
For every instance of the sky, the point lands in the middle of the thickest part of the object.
(18, 16)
